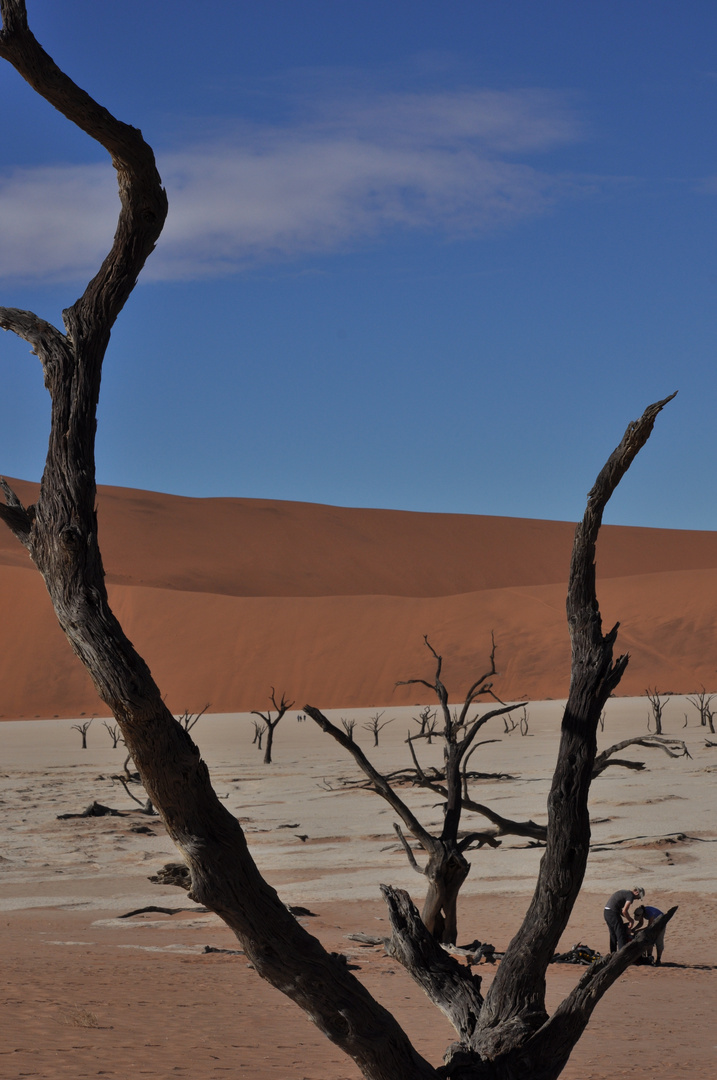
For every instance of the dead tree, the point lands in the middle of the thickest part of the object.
(188, 720)
(703, 703)
(348, 726)
(83, 729)
(508, 1036)
(427, 720)
(281, 707)
(522, 724)
(657, 706)
(375, 726)
(259, 730)
(446, 867)
(114, 733)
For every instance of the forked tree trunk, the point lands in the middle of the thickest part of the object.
(446, 872)
(508, 1036)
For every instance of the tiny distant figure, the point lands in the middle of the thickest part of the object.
(300, 717)
(618, 917)
(643, 912)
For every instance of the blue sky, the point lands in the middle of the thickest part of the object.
(420, 255)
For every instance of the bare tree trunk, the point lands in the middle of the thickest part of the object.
(269, 743)
(60, 533)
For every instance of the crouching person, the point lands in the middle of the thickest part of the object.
(645, 913)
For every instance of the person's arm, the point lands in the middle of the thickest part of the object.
(626, 913)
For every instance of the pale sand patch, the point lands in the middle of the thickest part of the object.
(86, 993)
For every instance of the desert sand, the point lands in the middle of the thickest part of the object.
(226, 598)
(87, 993)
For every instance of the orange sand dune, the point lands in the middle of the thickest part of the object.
(228, 597)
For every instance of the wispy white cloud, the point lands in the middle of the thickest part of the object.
(56, 221)
(448, 162)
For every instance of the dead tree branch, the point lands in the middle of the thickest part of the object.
(674, 748)
(188, 720)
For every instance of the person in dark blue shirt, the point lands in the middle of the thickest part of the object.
(650, 913)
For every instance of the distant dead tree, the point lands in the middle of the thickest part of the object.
(281, 707)
(504, 1036)
(259, 730)
(447, 867)
(348, 726)
(510, 724)
(83, 729)
(703, 703)
(657, 706)
(114, 733)
(426, 720)
(188, 720)
(375, 725)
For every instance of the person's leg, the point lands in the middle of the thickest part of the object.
(606, 914)
(660, 946)
(620, 932)
(612, 921)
